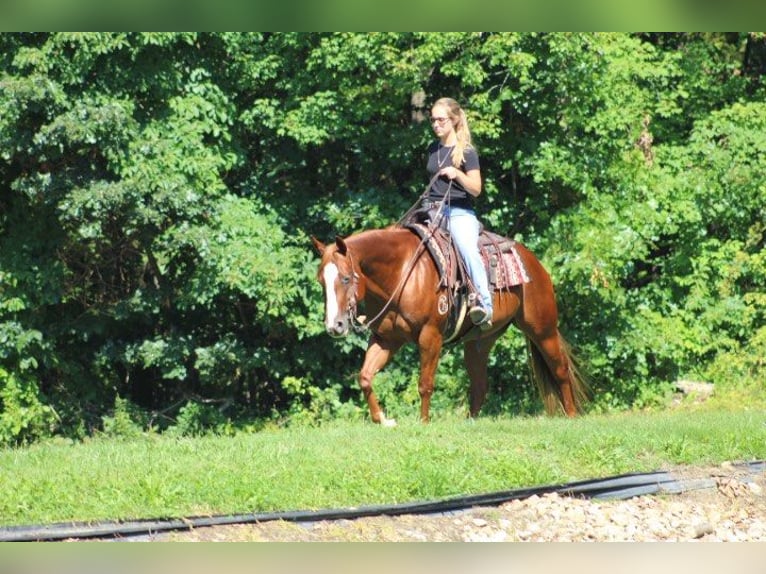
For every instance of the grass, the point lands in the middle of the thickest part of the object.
(353, 464)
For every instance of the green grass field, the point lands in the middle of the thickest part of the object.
(353, 464)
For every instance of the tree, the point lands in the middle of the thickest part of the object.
(157, 191)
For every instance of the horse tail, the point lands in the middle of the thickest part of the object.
(548, 384)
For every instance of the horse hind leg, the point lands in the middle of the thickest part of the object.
(556, 375)
(476, 356)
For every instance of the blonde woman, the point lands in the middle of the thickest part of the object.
(455, 159)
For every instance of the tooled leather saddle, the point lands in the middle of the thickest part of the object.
(503, 265)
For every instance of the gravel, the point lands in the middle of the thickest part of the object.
(735, 510)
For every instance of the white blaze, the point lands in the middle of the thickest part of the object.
(331, 305)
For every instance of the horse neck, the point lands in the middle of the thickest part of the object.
(380, 256)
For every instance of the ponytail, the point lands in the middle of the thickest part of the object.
(463, 133)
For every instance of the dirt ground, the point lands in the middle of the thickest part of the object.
(732, 510)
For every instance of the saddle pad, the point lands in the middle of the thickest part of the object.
(502, 261)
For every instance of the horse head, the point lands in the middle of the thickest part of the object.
(341, 284)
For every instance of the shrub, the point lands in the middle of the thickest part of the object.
(24, 416)
(126, 421)
(197, 419)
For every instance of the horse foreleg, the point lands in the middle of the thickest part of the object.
(374, 360)
(476, 355)
(430, 343)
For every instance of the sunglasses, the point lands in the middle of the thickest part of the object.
(439, 121)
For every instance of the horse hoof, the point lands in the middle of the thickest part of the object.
(388, 422)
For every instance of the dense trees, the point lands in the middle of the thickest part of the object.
(157, 191)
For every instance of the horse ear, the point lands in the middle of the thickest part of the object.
(318, 245)
(342, 249)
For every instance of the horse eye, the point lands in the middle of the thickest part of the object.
(345, 279)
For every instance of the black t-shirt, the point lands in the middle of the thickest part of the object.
(440, 156)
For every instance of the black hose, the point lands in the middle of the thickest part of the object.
(619, 487)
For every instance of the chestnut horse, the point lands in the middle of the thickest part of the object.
(398, 281)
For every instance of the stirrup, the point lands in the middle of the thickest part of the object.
(479, 315)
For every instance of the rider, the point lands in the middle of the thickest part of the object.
(455, 159)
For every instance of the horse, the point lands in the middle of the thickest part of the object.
(399, 283)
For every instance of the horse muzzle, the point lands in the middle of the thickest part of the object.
(337, 328)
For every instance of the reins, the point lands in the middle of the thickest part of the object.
(360, 324)
(420, 199)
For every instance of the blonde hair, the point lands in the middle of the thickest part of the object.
(462, 132)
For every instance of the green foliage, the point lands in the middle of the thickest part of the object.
(312, 406)
(125, 421)
(24, 415)
(157, 192)
(743, 368)
(195, 419)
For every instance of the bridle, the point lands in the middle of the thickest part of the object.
(353, 298)
(350, 284)
(360, 324)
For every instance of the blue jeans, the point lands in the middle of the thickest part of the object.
(464, 227)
